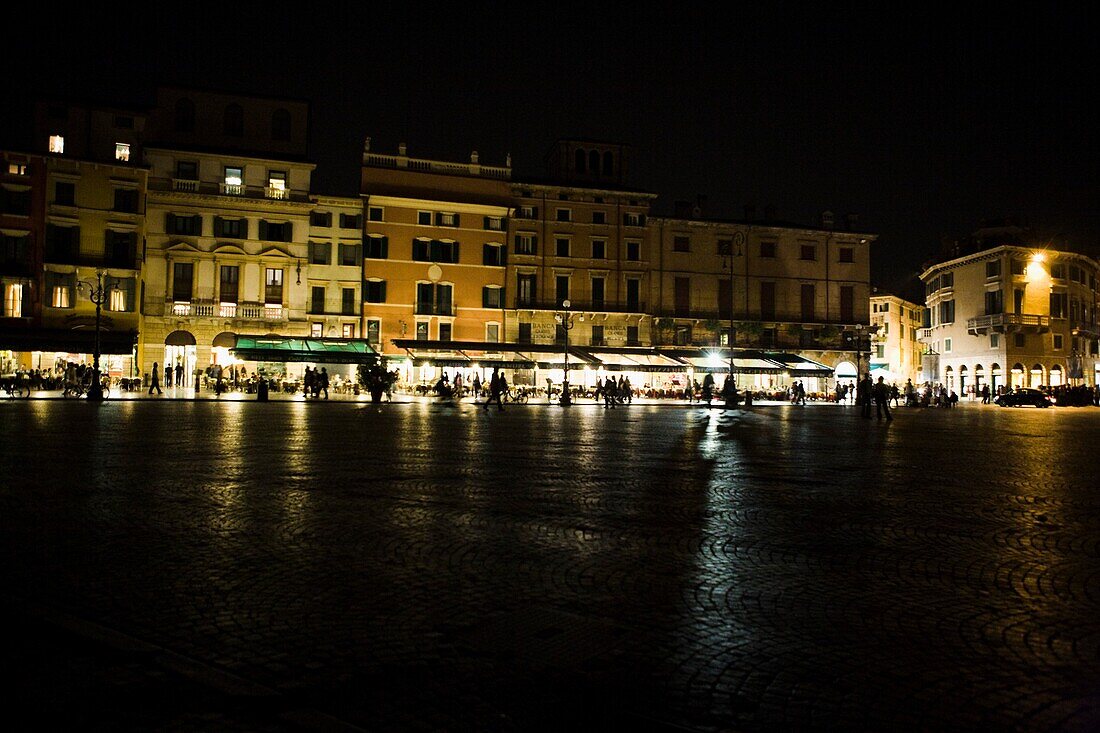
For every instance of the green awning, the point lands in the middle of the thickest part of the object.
(318, 351)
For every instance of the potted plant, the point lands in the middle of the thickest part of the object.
(375, 379)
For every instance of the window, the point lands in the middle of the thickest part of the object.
(946, 346)
(275, 231)
(234, 176)
(597, 336)
(808, 299)
(376, 248)
(320, 253)
(632, 336)
(1058, 341)
(187, 170)
(64, 193)
(229, 283)
(599, 249)
(231, 228)
(880, 351)
(434, 250)
(682, 295)
(633, 294)
(494, 223)
(994, 340)
(993, 268)
(526, 244)
(273, 286)
(14, 248)
(563, 215)
(347, 301)
(280, 125)
(233, 123)
(1058, 271)
(847, 303)
(13, 300)
(122, 152)
(681, 244)
(1018, 267)
(119, 248)
(317, 330)
(1059, 305)
(492, 333)
(525, 290)
(182, 274)
(492, 296)
(561, 246)
(725, 247)
(424, 218)
(524, 335)
(62, 243)
(1020, 340)
(126, 200)
(947, 311)
(185, 115)
(320, 218)
(57, 144)
(633, 251)
(374, 213)
(60, 288)
(846, 254)
(633, 220)
(599, 217)
(597, 292)
(349, 255)
(994, 302)
(351, 221)
(808, 252)
(276, 183)
(190, 226)
(445, 331)
(374, 331)
(17, 169)
(561, 289)
(374, 291)
(492, 255)
(947, 280)
(434, 299)
(445, 219)
(421, 330)
(767, 250)
(527, 212)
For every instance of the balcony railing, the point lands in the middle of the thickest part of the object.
(235, 311)
(377, 160)
(924, 334)
(604, 306)
(279, 194)
(1002, 322)
(434, 309)
(185, 184)
(231, 189)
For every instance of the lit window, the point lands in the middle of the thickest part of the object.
(316, 329)
(57, 144)
(349, 330)
(233, 177)
(276, 180)
(118, 300)
(13, 300)
(122, 152)
(17, 169)
(59, 298)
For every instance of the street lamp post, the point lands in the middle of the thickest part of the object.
(734, 251)
(565, 320)
(98, 294)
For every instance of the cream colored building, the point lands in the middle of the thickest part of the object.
(895, 323)
(335, 271)
(1011, 316)
(227, 246)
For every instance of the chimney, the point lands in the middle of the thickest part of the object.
(402, 149)
(827, 220)
(852, 221)
(750, 212)
(473, 157)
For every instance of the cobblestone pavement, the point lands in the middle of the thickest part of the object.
(184, 565)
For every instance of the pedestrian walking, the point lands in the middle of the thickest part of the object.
(708, 388)
(497, 385)
(882, 399)
(323, 381)
(863, 396)
(477, 387)
(154, 379)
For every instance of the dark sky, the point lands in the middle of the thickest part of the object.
(924, 125)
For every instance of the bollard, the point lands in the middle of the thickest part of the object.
(261, 391)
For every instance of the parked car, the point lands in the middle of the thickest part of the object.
(1021, 397)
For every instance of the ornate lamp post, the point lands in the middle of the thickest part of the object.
(565, 320)
(98, 294)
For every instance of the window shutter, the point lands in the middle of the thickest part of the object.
(485, 297)
(263, 229)
(641, 220)
(486, 254)
(457, 220)
(219, 228)
(382, 292)
(420, 250)
(454, 252)
(170, 223)
(501, 297)
(244, 228)
(534, 244)
(502, 252)
(485, 225)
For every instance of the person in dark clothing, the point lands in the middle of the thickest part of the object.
(322, 382)
(497, 386)
(863, 395)
(154, 379)
(882, 399)
(708, 388)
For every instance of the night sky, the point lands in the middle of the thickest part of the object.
(923, 125)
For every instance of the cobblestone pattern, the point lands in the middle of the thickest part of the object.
(415, 567)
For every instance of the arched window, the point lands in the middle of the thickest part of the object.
(280, 125)
(234, 120)
(580, 161)
(185, 115)
(608, 164)
(594, 162)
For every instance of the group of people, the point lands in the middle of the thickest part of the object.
(314, 382)
(613, 392)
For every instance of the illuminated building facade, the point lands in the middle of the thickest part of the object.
(1011, 316)
(894, 345)
(22, 233)
(229, 225)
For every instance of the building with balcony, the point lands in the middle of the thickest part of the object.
(761, 285)
(22, 231)
(229, 226)
(1011, 316)
(895, 347)
(335, 272)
